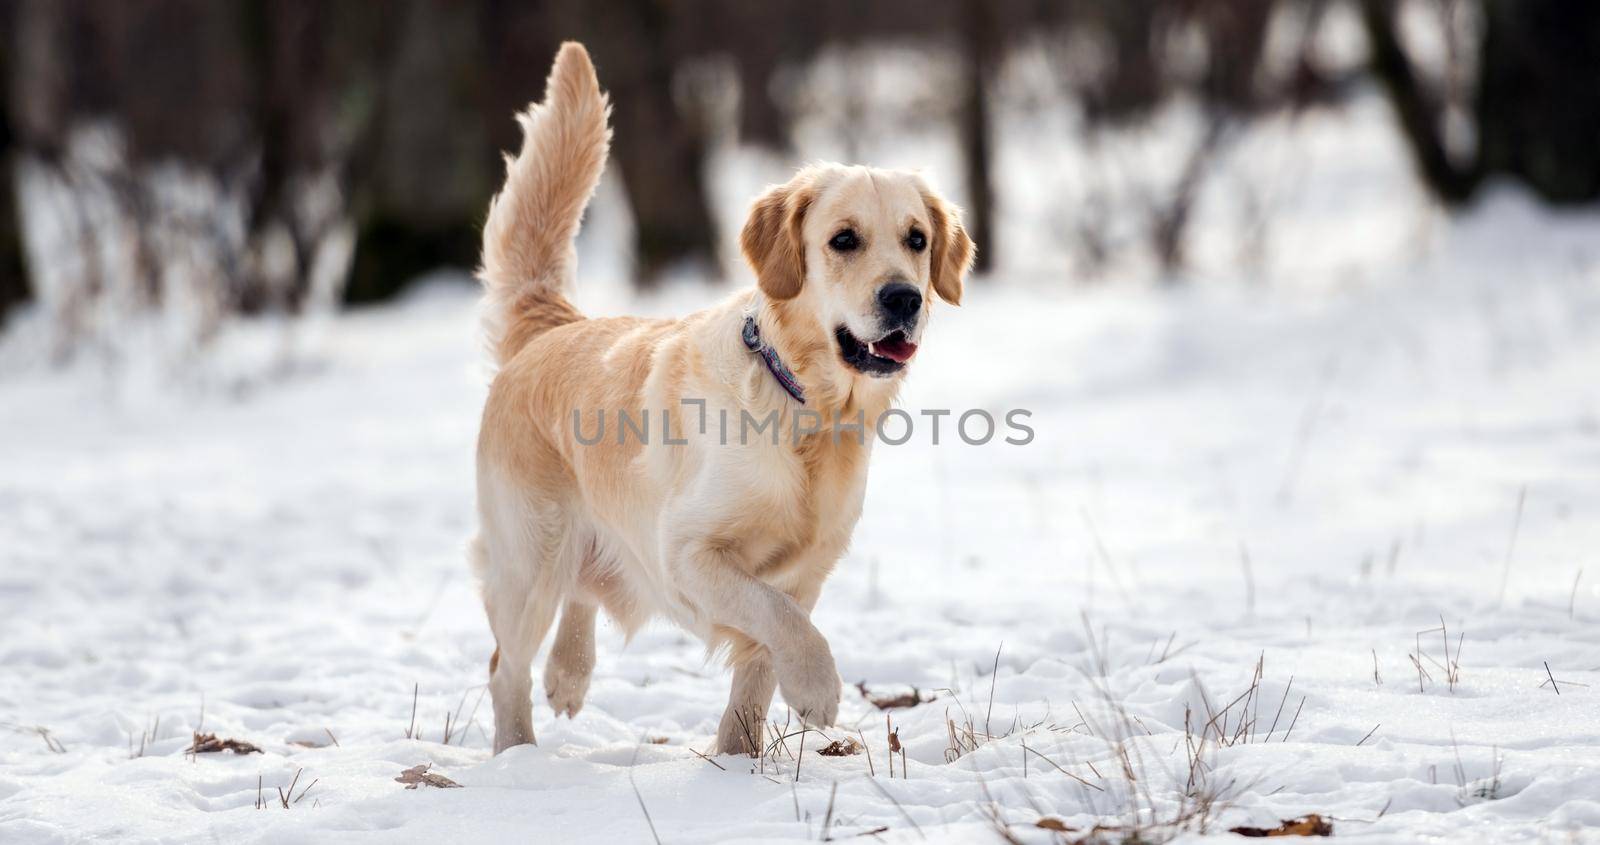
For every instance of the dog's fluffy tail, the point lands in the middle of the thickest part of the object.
(528, 254)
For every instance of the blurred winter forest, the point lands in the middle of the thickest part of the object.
(201, 160)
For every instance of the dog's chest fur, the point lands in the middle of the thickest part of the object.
(808, 497)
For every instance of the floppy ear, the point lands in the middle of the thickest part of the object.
(772, 239)
(951, 251)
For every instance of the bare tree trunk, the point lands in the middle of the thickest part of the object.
(13, 281)
(1416, 111)
(761, 122)
(660, 150)
(1538, 108)
(1169, 225)
(289, 75)
(982, 59)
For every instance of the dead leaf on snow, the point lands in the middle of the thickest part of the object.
(892, 700)
(419, 775)
(208, 744)
(845, 747)
(1312, 825)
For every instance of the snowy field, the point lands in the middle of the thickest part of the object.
(1209, 594)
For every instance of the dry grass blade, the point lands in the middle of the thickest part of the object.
(827, 818)
(304, 791)
(1295, 720)
(898, 808)
(43, 733)
(419, 775)
(283, 797)
(708, 759)
(994, 674)
(1026, 751)
(639, 796)
(146, 736)
(411, 729)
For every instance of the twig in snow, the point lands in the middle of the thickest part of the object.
(1369, 734)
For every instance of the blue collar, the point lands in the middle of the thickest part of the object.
(775, 365)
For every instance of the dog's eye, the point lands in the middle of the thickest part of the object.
(844, 241)
(917, 241)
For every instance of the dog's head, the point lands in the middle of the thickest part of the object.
(861, 253)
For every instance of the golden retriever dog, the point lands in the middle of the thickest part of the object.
(726, 534)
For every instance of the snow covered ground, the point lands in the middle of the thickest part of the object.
(1310, 478)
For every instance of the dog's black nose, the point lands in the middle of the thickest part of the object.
(900, 301)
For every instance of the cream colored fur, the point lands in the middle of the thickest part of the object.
(731, 542)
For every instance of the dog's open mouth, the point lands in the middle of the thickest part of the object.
(884, 356)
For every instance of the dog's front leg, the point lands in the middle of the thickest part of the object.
(754, 681)
(723, 593)
(743, 724)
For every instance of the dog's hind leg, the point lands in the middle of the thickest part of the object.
(571, 660)
(524, 583)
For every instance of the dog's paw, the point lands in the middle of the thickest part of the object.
(566, 682)
(809, 682)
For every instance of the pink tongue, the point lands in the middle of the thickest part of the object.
(896, 349)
